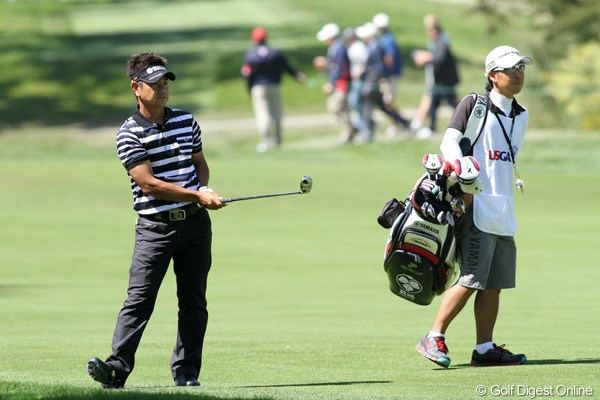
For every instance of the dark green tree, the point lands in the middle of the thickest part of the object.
(567, 57)
(566, 24)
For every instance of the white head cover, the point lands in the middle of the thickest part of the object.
(467, 169)
(467, 173)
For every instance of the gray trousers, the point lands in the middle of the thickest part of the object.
(488, 261)
(188, 244)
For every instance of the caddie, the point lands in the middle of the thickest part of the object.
(495, 124)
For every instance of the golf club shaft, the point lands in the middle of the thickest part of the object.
(258, 196)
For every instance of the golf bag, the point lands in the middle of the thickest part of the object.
(421, 258)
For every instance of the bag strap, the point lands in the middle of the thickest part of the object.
(438, 278)
(477, 118)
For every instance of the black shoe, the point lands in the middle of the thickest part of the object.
(496, 357)
(186, 380)
(103, 373)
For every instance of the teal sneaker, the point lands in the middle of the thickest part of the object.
(496, 357)
(434, 349)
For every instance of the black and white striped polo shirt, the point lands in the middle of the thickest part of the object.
(169, 149)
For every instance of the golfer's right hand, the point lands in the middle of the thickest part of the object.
(209, 199)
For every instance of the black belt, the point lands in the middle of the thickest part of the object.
(174, 215)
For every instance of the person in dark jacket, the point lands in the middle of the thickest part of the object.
(372, 78)
(440, 66)
(263, 69)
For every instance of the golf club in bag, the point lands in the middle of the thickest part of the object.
(305, 187)
(421, 258)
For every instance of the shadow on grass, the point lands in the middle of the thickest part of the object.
(315, 384)
(22, 391)
(563, 362)
(547, 362)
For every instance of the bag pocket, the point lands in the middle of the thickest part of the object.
(390, 211)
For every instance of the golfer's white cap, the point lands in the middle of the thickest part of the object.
(328, 31)
(381, 20)
(504, 57)
(366, 31)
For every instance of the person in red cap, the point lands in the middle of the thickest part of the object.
(263, 69)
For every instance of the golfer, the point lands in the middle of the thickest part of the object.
(486, 230)
(161, 149)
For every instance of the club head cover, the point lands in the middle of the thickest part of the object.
(467, 169)
(474, 187)
(427, 186)
(433, 163)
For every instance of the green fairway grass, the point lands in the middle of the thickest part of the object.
(298, 299)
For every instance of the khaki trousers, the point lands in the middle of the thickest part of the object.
(266, 101)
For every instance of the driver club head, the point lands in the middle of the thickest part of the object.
(306, 184)
(305, 187)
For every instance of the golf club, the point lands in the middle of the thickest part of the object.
(305, 187)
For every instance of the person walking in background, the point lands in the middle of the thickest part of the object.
(495, 124)
(423, 110)
(358, 53)
(372, 77)
(263, 69)
(338, 72)
(161, 149)
(392, 59)
(440, 70)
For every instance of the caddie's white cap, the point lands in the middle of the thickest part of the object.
(504, 57)
(366, 31)
(381, 20)
(328, 31)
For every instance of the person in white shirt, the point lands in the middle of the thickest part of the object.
(358, 53)
(486, 230)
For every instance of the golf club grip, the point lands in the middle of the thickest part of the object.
(258, 196)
